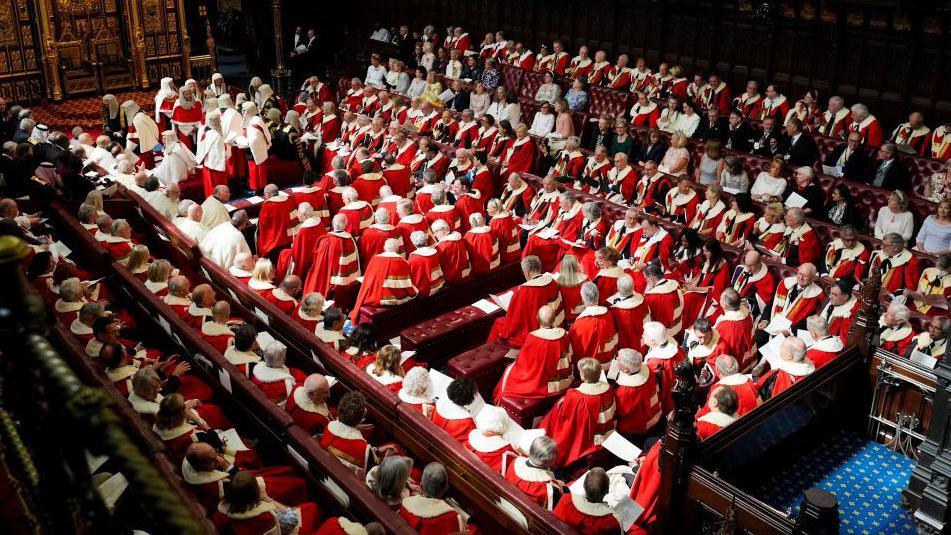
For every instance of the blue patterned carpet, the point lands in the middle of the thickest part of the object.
(866, 477)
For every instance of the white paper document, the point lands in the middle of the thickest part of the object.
(521, 439)
(439, 382)
(622, 447)
(503, 300)
(804, 335)
(924, 359)
(778, 324)
(265, 339)
(406, 355)
(255, 200)
(111, 490)
(59, 250)
(486, 306)
(830, 170)
(796, 201)
(771, 351)
(232, 440)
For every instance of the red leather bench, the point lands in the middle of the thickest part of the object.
(531, 81)
(607, 100)
(512, 78)
(440, 338)
(483, 364)
(525, 411)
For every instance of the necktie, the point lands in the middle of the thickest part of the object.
(829, 313)
(827, 129)
(793, 294)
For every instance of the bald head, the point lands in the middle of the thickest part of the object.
(546, 317)
(392, 245)
(317, 388)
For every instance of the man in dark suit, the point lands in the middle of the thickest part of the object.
(604, 135)
(766, 142)
(738, 133)
(800, 148)
(460, 99)
(850, 158)
(889, 172)
(713, 127)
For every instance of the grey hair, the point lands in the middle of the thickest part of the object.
(391, 477)
(275, 354)
(435, 481)
(239, 218)
(727, 365)
(818, 325)
(591, 209)
(859, 109)
(86, 210)
(418, 238)
(806, 171)
(339, 223)
(312, 302)
(567, 196)
(795, 347)
(589, 293)
(404, 206)
(543, 452)
(702, 325)
(625, 285)
(183, 207)
(71, 289)
(531, 264)
(438, 196)
(143, 379)
(893, 238)
(900, 311)
(630, 358)
(476, 220)
(440, 225)
(305, 209)
(416, 381)
(382, 216)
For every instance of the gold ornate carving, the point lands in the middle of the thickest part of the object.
(8, 25)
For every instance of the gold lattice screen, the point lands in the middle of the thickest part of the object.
(21, 75)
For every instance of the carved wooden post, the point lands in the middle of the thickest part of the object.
(865, 326)
(674, 453)
(819, 513)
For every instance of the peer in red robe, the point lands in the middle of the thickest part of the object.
(681, 203)
(637, 398)
(629, 313)
(840, 316)
(703, 348)
(483, 249)
(521, 155)
(312, 417)
(755, 284)
(594, 334)
(387, 282)
(583, 418)
(590, 518)
(897, 269)
(663, 355)
(723, 400)
(843, 259)
(426, 270)
(565, 226)
(895, 334)
(779, 379)
(304, 244)
(359, 215)
(735, 328)
(824, 350)
(798, 245)
(347, 444)
(453, 256)
(431, 515)
(654, 243)
(665, 303)
(275, 221)
(521, 317)
(806, 302)
(336, 264)
(538, 483)
(542, 367)
(505, 230)
(275, 382)
(453, 419)
(374, 237)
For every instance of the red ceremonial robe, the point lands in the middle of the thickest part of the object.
(444, 212)
(373, 239)
(896, 339)
(580, 421)
(521, 317)
(594, 335)
(568, 226)
(664, 359)
(304, 245)
(483, 250)
(708, 217)
(453, 419)
(410, 224)
(665, 303)
(779, 379)
(275, 223)
(824, 350)
(542, 368)
(426, 271)
(347, 444)
(799, 246)
(263, 519)
(368, 187)
(745, 390)
(606, 281)
(712, 422)
(538, 483)
(311, 417)
(659, 246)
(505, 230)
(900, 271)
(519, 157)
(359, 216)
(629, 313)
(735, 229)
(638, 402)
(806, 303)
(276, 383)
(453, 257)
(336, 264)
(587, 517)
(680, 207)
(431, 516)
(387, 283)
(489, 448)
(646, 488)
(735, 328)
(840, 318)
(756, 288)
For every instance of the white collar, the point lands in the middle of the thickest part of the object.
(550, 333)
(306, 404)
(593, 312)
(589, 508)
(194, 477)
(829, 344)
(593, 389)
(717, 418)
(531, 473)
(486, 444)
(344, 431)
(633, 379)
(424, 507)
(450, 411)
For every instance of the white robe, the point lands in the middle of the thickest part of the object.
(211, 151)
(164, 205)
(214, 213)
(223, 243)
(176, 166)
(192, 229)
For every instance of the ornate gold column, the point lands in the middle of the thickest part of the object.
(186, 40)
(50, 53)
(137, 40)
(279, 76)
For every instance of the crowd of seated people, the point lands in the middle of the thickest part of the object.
(636, 257)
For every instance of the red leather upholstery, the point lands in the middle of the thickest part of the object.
(447, 335)
(606, 100)
(531, 81)
(193, 188)
(922, 169)
(483, 364)
(283, 173)
(827, 145)
(529, 106)
(524, 411)
(512, 78)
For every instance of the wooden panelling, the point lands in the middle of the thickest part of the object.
(893, 56)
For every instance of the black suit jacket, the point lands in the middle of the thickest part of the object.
(655, 153)
(765, 147)
(739, 138)
(897, 177)
(705, 131)
(855, 168)
(458, 102)
(804, 152)
(598, 137)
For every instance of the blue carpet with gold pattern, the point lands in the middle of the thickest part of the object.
(866, 477)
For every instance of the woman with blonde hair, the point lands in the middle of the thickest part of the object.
(570, 278)
(935, 234)
(677, 157)
(262, 276)
(895, 217)
(386, 369)
(769, 228)
(94, 198)
(770, 184)
(138, 262)
(434, 88)
(159, 273)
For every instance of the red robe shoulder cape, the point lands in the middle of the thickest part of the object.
(587, 517)
(638, 402)
(453, 257)
(580, 421)
(311, 417)
(664, 359)
(522, 315)
(347, 444)
(304, 244)
(594, 334)
(387, 283)
(665, 304)
(426, 270)
(275, 223)
(824, 350)
(840, 318)
(539, 484)
(629, 313)
(453, 419)
(899, 271)
(490, 448)
(806, 303)
(541, 369)
(431, 516)
(336, 264)
(483, 250)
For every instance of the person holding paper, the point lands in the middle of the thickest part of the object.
(826, 346)
(703, 344)
(486, 440)
(896, 265)
(895, 331)
(583, 418)
(723, 403)
(543, 239)
(543, 366)
(663, 355)
(636, 395)
(850, 159)
(796, 299)
(521, 317)
(533, 474)
(451, 413)
(727, 373)
(799, 243)
(934, 341)
(588, 513)
(792, 367)
(934, 287)
(593, 334)
(681, 202)
(805, 194)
